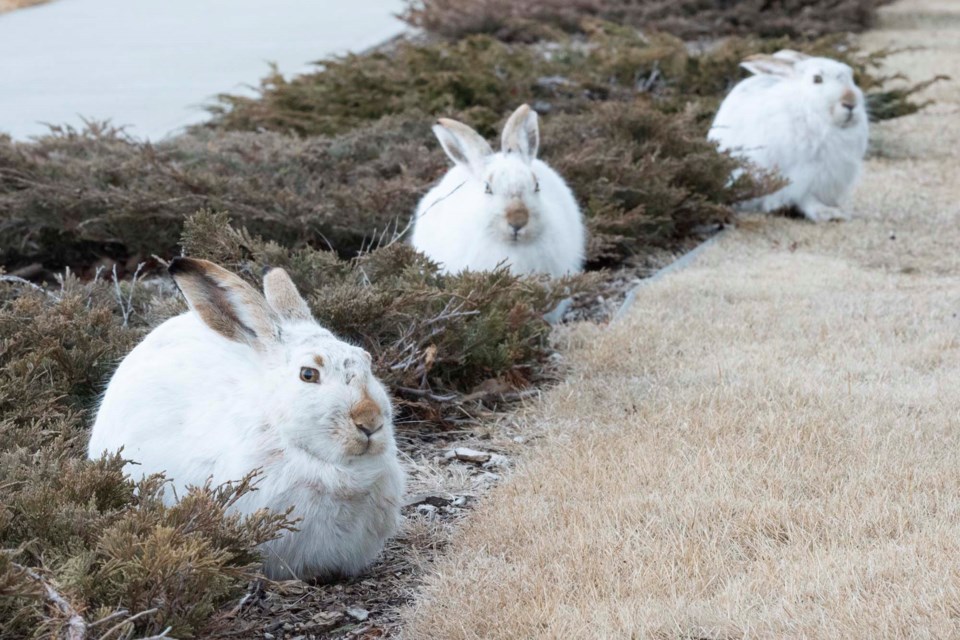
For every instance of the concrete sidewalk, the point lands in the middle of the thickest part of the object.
(768, 444)
(153, 64)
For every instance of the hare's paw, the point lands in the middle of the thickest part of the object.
(819, 212)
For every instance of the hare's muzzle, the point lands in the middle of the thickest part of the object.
(366, 416)
(849, 100)
(517, 216)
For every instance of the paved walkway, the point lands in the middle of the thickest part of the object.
(153, 64)
(768, 444)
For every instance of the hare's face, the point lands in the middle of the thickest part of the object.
(822, 87)
(512, 191)
(508, 179)
(324, 398)
(830, 88)
(317, 392)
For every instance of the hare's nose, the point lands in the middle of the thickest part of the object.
(366, 416)
(369, 431)
(848, 100)
(517, 216)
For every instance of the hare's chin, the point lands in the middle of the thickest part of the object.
(845, 122)
(368, 448)
(518, 239)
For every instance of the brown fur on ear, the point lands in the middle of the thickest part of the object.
(462, 144)
(521, 133)
(762, 64)
(283, 297)
(224, 302)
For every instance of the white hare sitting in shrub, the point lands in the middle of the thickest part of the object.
(804, 119)
(245, 381)
(500, 208)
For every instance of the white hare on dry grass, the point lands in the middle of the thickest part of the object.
(494, 208)
(244, 381)
(803, 118)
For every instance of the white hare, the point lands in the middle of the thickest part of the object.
(803, 118)
(245, 381)
(507, 207)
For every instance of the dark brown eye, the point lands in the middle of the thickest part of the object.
(309, 374)
(487, 189)
(818, 79)
(536, 186)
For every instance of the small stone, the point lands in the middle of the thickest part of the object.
(519, 439)
(358, 614)
(496, 460)
(459, 501)
(326, 617)
(426, 509)
(268, 636)
(467, 455)
(427, 498)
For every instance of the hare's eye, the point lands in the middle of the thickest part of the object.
(487, 189)
(309, 374)
(536, 186)
(818, 79)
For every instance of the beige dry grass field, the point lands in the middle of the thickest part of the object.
(769, 444)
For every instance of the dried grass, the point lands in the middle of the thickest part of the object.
(624, 120)
(766, 446)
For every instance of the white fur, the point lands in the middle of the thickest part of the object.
(782, 121)
(462, 226)
(193, 404)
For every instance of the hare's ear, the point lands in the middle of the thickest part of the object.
(791, 56)
(768, 65)
(462, 144)
(521, 134)
(283, 297)
(224, 302)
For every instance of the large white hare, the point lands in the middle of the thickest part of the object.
(243, 381)
(803, 118)
(507, 207)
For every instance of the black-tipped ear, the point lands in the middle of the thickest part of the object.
(283, 297)
(224, 302)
